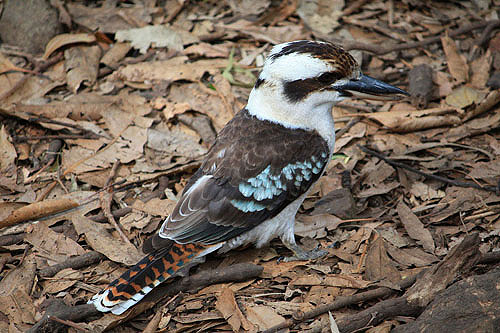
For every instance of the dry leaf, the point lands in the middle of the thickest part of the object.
(263, 317)
(66, 39)
(98, 237)
(82, 66)
(481, 70)
(378, 264)
(62, 280)
(169, 70)
(457, 64)
(142, 38)
(8, 156)
(463, 96)
(415, 228)
(408, 121)
(52, 245)
(37, 210)
(226, 304)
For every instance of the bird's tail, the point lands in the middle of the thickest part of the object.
(139, 280)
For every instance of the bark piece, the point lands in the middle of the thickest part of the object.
(458, 261)
(470, 305)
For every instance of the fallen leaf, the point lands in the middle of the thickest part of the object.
(378, 264)
(82, 66)
(463, 96)
(66, 39)
(37, 210)
(8, 155)
(409, 121)
(52, 245)
(415, 228)
(98, 237)
(63, 279)
(169, 70)
(457, 64)
(226, 304)
(481, 70)
(142, 38)
(263, 317)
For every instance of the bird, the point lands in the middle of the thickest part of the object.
(258, 171)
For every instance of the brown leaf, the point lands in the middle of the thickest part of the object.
(98, 237)
(332, 280)
(226, 304)
(408, 121)
(457, 64)
(82, 66)
(169, 70)
(208, 50)
(142, 38)
(52, 245)
(37, 210)
(62, 280)
(8, 156)
(481, 70)
(378, 264)
(315, 226)
(66, 39)
(415, 228)
(262, 316)
(463, 96)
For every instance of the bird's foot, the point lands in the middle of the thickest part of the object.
(301, 254)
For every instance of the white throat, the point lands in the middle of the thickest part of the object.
(312, 113)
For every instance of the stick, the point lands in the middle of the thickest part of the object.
(74, 262)
(426, 175)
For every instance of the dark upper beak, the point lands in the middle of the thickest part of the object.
(367, 87)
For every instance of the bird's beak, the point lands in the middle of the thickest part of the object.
(365, 86)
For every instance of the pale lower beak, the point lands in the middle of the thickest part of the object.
(368, 87)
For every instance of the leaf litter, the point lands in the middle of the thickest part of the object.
(136, 104)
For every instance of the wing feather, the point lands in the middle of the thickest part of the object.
(260, 168)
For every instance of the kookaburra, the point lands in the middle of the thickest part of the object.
(259, 170)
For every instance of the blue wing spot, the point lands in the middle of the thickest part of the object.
(170, 271)
(180, 263)
(247, 206)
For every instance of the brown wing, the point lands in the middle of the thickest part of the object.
(254, 170)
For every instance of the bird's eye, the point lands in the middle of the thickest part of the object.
(329, 77)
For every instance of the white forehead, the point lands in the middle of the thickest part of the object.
(293, 66)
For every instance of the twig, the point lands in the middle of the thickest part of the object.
(23, 138)
(347, 127)
(75, 262)
(40, 67)
(175, 11)
(340, 302)
(353, 7)
(427, 175)
(381, 49)
(106, 197)
(68, 323)
(485, 35)
(378, 313)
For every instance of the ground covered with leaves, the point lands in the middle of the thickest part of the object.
(106, 116)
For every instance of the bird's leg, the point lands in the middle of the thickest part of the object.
(299, 252)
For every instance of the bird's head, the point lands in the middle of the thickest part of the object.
(302, 80)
